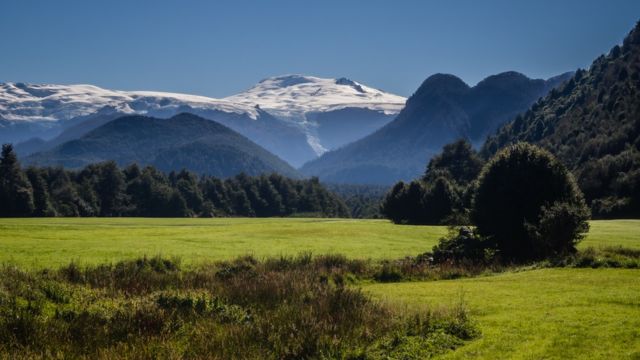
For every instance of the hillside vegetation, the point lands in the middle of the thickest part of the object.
(592, 124)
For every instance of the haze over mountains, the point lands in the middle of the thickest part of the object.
(443, 109)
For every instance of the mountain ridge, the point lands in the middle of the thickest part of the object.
(441, 110)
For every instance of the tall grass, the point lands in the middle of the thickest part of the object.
(280, 308)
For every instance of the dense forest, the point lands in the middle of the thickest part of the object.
(592, 124)
(104, 189)
(363, 201)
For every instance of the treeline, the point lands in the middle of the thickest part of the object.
(442, 195)
(104, 189)
(523, 204)
(363, 201)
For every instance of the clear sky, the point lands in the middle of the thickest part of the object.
(217, 48)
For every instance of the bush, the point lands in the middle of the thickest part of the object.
(529, 205)
(561, 226)
(462, 246)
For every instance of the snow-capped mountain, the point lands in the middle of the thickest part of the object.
(44, 102)
(292, 96)
(59, 113)
(316, 104)
(295, 117)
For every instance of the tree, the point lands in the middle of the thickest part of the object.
(215, 192)
(110, 189)
(273, 199)
(440, 201)
(16, 194)
(41, 199)
(457, 161)
(187, 184)
(392, 206)
(404, 204)
(177, 206)
(519, 193)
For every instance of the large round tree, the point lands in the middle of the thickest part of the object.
(529, 205)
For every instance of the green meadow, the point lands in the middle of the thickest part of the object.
(538, 314)
(51, 242)
(528, 313)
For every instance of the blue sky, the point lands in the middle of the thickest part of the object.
(217, 48)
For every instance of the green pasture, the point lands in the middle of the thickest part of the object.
(50, 242)
(528, 314)
(538, 314)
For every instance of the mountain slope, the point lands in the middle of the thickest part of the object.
(183, 141)
(443, 109)
(592, 124)
(332, 112)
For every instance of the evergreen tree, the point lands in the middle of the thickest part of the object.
(16, 194)
(457, 161)
(215, 192)
(272, 198)
(110, 189)
(41, 200)
(187, 185)
(440, 202)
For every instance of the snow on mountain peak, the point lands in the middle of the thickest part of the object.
(285, 80)
(291, 96)
(46, 102)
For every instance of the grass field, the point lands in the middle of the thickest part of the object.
(50, 242)
(530, 314)
(539, 314)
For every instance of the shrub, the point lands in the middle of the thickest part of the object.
(463, 245)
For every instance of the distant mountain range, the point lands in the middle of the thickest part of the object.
(363, 135)
(296, 117)
(443, 109)
(182, 141)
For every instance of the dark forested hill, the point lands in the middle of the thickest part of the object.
(592, 124)
(443, 109)
(183, 141)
